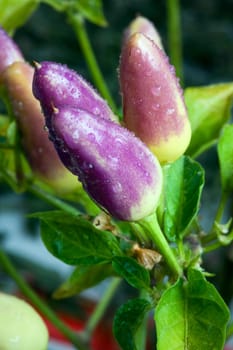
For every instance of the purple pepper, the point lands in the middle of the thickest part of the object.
(16, 81)
(9, 51)
(116, 169)
(55, 84)
(153, 104)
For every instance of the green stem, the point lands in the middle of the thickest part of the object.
(211, 236)
(174, 36)
(151, 226)
(78, 25)
(51, 199)
(140, 233)
(181, 250)
(37, 191)
(141, 334)
(101, 307)
(39, 304)
(211, 247)
(221, 207)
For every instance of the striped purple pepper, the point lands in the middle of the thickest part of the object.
(142, 25)
(16, 80)
(55, 84)
(116, 169)
(153, 105)
(9, 51)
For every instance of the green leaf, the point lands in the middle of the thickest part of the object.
(127, 320)
(191, 315)
(224, 232)
(184, 180)
(135, 274)
(58, 5)
(225, 154)
(83, 277)
(208, 109)
(75, 240)
(89, 9)
(92, 10)
(14, 13)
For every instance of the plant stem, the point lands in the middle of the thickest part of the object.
(212, 236)
(139, 232)
(141, 333)
(78, 25)
(221, 206)
(211, 247)
(101, 307)
(151, 226)
(46, 196)
(174, 36)
(51, 199)
(39, 304)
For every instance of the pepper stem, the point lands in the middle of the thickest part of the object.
(152, 228)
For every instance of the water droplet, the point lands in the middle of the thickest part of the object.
(170, 111)
(76, 135)
(91, 137)
(87, 166)
(96, 111)
(156, 106)
(135, 52)
(172, 69)
(64, 150)
(20, 105)
(156, 90)
(117, 187)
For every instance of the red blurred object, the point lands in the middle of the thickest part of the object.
(102, 337)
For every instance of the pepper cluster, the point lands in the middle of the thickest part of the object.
(118, 165)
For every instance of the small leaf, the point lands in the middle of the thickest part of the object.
(184, 180)
(135, 274)
(58, 5)
(89, 9)
(208, 109)
(225, 154)
(191, 315)
(75, 240)
(15, 13)
(83, 277)
(224, 232)
(92, 10)
(127, 320)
